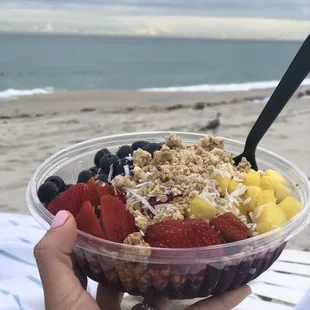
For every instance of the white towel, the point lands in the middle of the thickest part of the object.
(20, 284)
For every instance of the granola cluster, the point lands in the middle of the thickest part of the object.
(174, 175)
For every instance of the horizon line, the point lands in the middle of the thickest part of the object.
(144, 36)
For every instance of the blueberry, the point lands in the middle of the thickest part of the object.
(94, 170)
(102, 177)
(119, 167)
(139, 145)
(106, 161)
(152, 147)
(58, 181)
(99, 155)
(47, 192)
(85, 176)
(124, 151)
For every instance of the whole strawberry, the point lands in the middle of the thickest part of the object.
(189, 233)
(230, 227)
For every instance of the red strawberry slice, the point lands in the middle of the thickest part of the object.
(97, 189)
(189, 233)
(94, 197)
(230, 227)
(106, 189)
(87, 221)
(71, 200)
(116, 220)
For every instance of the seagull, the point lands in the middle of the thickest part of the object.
(214, 124)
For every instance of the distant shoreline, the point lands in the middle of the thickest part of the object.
(148, 37)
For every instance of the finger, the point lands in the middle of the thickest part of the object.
(61, 286)
(227, 301)
(108, 299)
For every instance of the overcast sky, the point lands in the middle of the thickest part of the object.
(287, 19)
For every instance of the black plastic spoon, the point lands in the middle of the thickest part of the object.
(291, 80)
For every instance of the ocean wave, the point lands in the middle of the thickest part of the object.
(221, 87)
(12, 93)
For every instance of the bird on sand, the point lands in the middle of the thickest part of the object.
(213, 124)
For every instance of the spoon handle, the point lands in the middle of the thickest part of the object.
(293, 77)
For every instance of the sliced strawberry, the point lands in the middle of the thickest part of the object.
(189, 233)
(98, 189)
(106, 189)
(116, 220)
(230, 227)
(94, 197)
(71, 200)
(87, 221)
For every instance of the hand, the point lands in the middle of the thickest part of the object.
(64, 284)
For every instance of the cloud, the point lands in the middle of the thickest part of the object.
(264, 19)
(286, 9)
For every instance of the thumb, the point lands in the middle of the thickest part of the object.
(62, 290)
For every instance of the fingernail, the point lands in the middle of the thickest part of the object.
(59, 219)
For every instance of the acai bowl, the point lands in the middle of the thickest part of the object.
(169, 214)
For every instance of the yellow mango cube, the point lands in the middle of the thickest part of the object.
(277, 176)
(267, 182)
(265, 197)
(232, 186)
(281, 192)
(201, 209)
(252, 178)
(268, 217)
(252, 193)
(223, 182)
(290, 206)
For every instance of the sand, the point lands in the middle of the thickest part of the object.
(33, 128)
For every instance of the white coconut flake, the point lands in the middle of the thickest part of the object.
(110, 174)
(241, 189)
(260, 210)
(126, 169)
(222, 173)
(144, 202)
(129, 157)
(163, 206)
(248, 200)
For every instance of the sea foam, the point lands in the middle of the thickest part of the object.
(220, 87)
(15, 93)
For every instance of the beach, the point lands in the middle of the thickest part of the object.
(34, 127)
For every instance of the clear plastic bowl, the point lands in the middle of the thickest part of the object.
(172, 273)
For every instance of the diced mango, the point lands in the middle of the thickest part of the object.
(201, 209)
(267, 182)
(268, 217)
(282, 192)
(277, 176)
(252, 178)
(265, 196)
(223, 181)
(232, 186)
(252, 192)
(290, 206)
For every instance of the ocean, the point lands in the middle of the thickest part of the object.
(34, 64)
